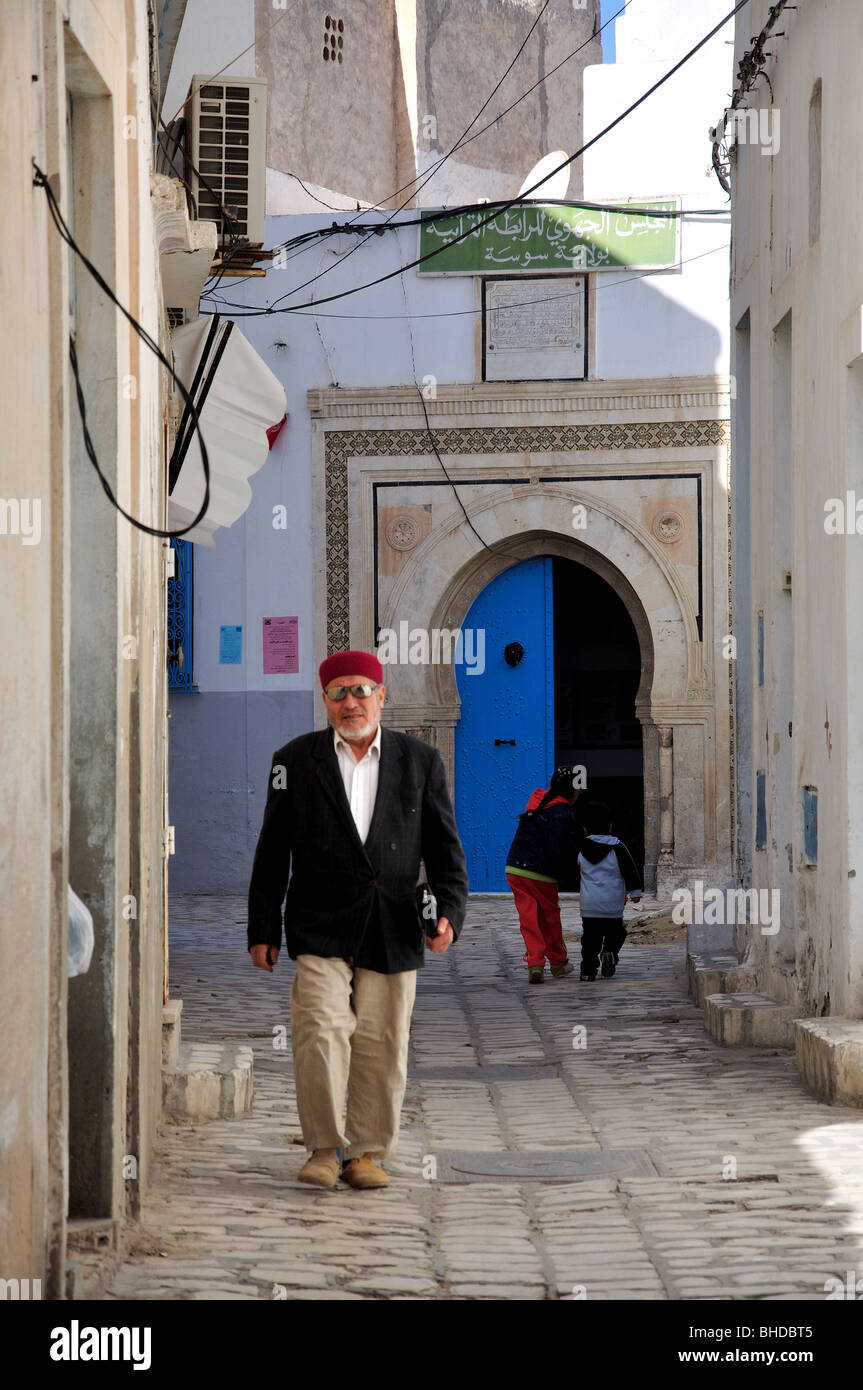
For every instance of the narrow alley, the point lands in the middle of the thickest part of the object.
(568, 1141)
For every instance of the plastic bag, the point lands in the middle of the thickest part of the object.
(81, 936)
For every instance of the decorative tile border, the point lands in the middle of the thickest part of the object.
(342, 445)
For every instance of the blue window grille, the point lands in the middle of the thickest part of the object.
(181, 596)
(761, 810)
(810, 826)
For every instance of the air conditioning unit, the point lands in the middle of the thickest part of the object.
(226, 154)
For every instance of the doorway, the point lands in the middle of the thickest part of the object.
(562, 670)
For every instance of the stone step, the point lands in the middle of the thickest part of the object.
(211, 1081)
(172, 1011)
(830, 1058)
(706, 972)
(748, 1020)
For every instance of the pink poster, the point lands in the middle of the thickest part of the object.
(281, 646)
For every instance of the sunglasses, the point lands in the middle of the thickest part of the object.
(360, 692)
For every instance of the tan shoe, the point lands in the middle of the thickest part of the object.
(322, 1169)
(363, 1173)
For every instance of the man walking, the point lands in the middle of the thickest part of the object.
(351, 811)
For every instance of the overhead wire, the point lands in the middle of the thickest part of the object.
(752, 65)
(512, 202)
(428, 427)
(507, 203)
(351, 227)
(463, 313)
(40, 180)
(419, 183)
(545, 76)
(466, 139)
(427, 175)
(309, 194)
(630, 209)
(237, 56)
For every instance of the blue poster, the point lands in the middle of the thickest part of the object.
(230, 646)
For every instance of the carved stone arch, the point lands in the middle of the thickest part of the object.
(447, 549)
(444, 602)
(454, 604)
(645, 458)
(569, 496)
(455, 601)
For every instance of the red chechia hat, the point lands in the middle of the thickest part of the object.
(351, 664)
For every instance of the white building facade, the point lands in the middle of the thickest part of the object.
(415, 480)
(797, 291)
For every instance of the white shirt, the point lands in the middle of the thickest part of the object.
(360, 779)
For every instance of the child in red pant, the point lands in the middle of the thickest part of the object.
(544, 841)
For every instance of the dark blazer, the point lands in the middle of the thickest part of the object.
(346, 898)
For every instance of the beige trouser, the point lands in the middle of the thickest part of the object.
(349, 1030)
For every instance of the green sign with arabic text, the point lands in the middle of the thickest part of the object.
(550, 236)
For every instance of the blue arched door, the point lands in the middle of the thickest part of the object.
(504, 743)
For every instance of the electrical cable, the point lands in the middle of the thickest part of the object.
(309, 194)
(462, 313)
(419, 183)
(660, 214)
(40, 180)
(546, 75)
(429, 430)
(749, 69)
(381, 279)
(174, 174)
(235, 242)
(230, 63)
(502, 204)
(466, 139)
(630, 209)
(529, 303)
(436, 453)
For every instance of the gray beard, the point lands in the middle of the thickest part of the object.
(357, 735)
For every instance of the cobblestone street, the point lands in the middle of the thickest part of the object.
(569, 1140)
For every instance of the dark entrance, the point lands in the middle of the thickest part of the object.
(597, 672)
(561, 672)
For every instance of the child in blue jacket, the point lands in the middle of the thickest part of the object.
(608, 877)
